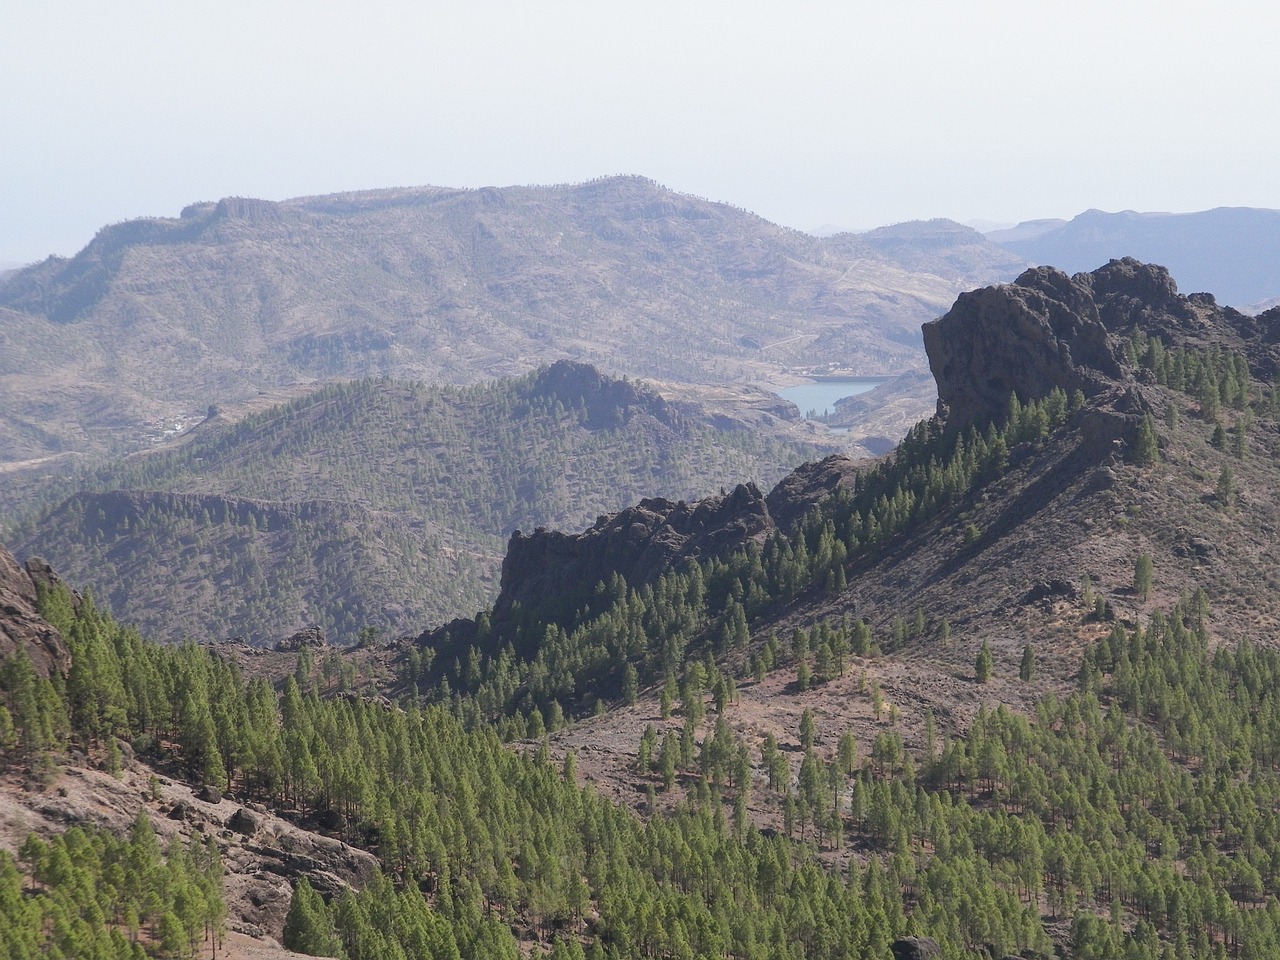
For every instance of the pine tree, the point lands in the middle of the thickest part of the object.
(984, 665)
(1146, 450)
(808, 729)
(1143, 576)
(1027, 669)
(307, 927)
(1226, 491)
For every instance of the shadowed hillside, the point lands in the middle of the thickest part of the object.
(382, 503)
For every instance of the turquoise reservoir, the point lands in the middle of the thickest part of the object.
(820, 398)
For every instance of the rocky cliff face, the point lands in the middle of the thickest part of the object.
(21, 626)
(1043, 331)
(1047, 329)
(1027, 337)
(639, 543)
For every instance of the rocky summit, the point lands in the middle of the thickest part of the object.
(1047, 330)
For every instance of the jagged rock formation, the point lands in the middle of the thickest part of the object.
(1048, 330)
(21, 626)
(642, 542)
(800, 491)
(1039, 332)
(312, 636)
(639, 543)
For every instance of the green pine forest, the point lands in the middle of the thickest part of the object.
(1136, 816)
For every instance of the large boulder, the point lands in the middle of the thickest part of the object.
(915, 948)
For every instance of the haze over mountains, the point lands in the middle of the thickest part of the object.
(1231, 252)
(157, 323)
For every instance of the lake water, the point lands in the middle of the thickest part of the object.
(820, 398)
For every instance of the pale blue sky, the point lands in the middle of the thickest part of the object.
(852, 113)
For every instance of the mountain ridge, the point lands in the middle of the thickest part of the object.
(1227, 251)
(1079, 373)
(450, 286)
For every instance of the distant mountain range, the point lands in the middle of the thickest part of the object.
(156, 319)
(1231, 252)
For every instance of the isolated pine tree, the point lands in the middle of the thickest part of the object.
(984, 665)
(307, 927)
(1146, 450)
(1027, 669)
(1143, 575)
(1226, 492)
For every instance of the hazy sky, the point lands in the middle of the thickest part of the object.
(849, 112)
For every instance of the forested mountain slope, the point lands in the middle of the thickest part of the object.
(1145, 435)
(876, 704)
(157, 319)
(382, 504)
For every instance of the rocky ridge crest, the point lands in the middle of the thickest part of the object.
(1043, 331)
(1047, 329)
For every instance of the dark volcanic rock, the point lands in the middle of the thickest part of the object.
(1027, 337)
(639, 543)
(242, 821)
(310, 637)
(43, 575)
(209, 794)
(915, 948)
(21, 626)
(554, 573)
(1049, 330)
(806, 486)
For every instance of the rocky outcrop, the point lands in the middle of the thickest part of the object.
(21, 626)
(1048, 330)
(1027, 337)
(555, 573)
(312, 636)
(807, 486)
(639, 543)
